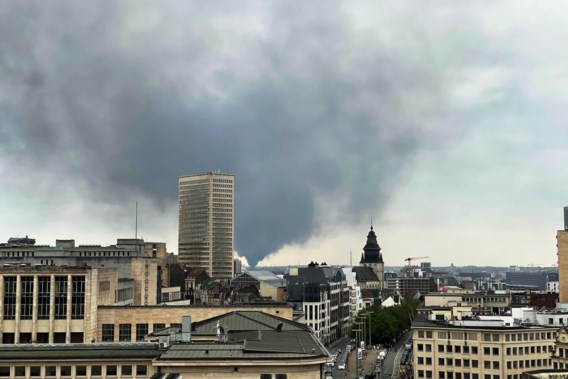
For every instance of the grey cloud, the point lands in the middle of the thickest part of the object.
(292, 100)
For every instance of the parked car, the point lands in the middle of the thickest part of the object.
(341, 366)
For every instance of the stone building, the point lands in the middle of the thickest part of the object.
(234, 345)
(476, 349)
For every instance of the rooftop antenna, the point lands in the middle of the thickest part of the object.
(136, 222)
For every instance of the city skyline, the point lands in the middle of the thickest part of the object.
(445, 128)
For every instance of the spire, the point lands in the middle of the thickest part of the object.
(372, 250)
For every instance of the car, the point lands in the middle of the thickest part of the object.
(341, 366)
(331, 364)
(328, 377)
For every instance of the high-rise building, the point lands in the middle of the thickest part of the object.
(206, 226)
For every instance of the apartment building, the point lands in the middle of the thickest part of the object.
(479, 349)
(321, 292)
(206, 222)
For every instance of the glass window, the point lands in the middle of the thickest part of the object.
(35, 371)
(265, 376)
(9, 298)
(157, 327)
(44, 290)
(96, 370)
(141, 331)
(78, 297)
(141, 370)
(124, 332)
(26, 297)
(126, 370)
(65, 370)
(5, 371)
(111, 370)
(20, 371)
(281, 376)
(60, 297)
(81, 370)
(108, 333)
(50, 371)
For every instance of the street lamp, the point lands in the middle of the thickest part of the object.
(364, 329)
(368, 316)
(357, 331)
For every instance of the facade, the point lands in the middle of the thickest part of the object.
(321, 292)
(530, 280)
(50, 304)
(127, 257)
(158, 251)
(206, 223)
(131, 324)
(401, 286)
(479, 349)
(235, 345)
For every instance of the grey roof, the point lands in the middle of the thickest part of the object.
(245, 321)
(364, 274)
(320, 274)
(262, 275)
(271, 345)
(120, 350)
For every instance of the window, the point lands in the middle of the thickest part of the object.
(428, 360)
(78, 297)
(96, 371)
(420, 347)
(108, 333)
(441, 361)
(81, 371)
(141, 331)
(27, 297)
(486, 364)
(44, 290)
(65, 370)
(281, 376)
(440, 348)
(111, 370)
(126, 370)
(495, 351)
(20, 371)
(60, 297)
(9, 298)
(4, 371)
(141, 370)
(124, 332)
(157, 327)
(35, 371)
(265, 376)
(50, 371)
(495, 365)
(486, 350)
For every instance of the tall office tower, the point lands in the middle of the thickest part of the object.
(562, 245)
(206, 226)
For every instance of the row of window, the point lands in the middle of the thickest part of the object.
(44, 294)
(68, 371)
(125, 331)
(17, 254)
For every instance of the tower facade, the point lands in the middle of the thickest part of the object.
(206, 222)
(373, 258)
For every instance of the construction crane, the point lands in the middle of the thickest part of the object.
(409, 265)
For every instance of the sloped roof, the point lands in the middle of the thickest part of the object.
(116, 350)
(365, 274)
(245, 321)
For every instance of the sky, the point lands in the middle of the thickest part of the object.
(442, 123)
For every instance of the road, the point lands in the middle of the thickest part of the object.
(367, 364)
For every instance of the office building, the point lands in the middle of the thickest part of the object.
(206, 227)
(321, 292)
(479, 349)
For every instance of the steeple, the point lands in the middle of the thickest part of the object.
(372, 250)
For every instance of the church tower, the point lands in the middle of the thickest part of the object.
(373, 258)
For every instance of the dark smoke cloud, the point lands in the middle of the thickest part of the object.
(295, 101)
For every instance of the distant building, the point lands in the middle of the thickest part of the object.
(206, 223)
(237, 266)
(562, 246)
(530, 280)
(401, 286)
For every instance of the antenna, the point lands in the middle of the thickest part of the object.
(136, 222)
